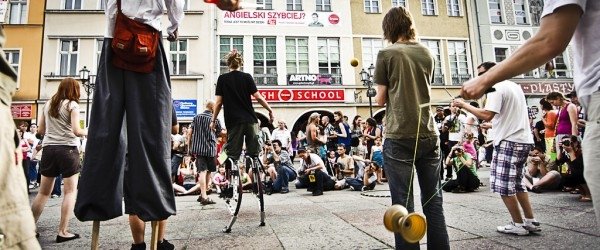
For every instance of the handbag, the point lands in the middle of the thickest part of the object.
(134, 44)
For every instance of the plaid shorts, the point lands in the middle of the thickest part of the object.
(506, 175)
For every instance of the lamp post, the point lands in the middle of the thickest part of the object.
(367, 78)
(88, 82)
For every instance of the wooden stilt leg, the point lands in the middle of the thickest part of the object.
(95, 235)
(154, 238)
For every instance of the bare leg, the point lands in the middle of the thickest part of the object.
(41, 198)
(585, 191)
(512, 205)
(193, 189)
(523, 198)
(178, 189)
(162, 227)
(202, 181)
(527, 183)
(137, 229)
(70, 192)
(548, 180)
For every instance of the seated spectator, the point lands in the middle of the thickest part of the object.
(364, 181)
(537, 175)
(312, 174)
(344, 167)
(246, 181)
(283, 166)
(377, 156)
(571, 154)
(331, 160)
(220, 180)
(186, 179)
(467, 180)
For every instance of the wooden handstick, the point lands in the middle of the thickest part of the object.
(154, 238)
(95, 234)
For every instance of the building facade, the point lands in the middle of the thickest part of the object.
(298, 52)
(23, 26)
(73, 38)
(501, 26)
(442, 26)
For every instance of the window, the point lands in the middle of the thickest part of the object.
(265, 60)
(434, 48)
(13, 57)
(370, 49)
(294, 4)
(398, 3)
(520, 12)
(296, 52)
(371, 6)
(500, 54)
(495, 11)
(453, 8)
(102, 4)
(459, 67)
(560, 66)
(428, 7)
(69, 51)
(99, 45)
(265, 4)
(178, 52)
(226, 45)
(18, 12)
(323, 5)
(72, 4)
(329, 58)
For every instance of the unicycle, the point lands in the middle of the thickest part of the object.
(258, 189)
(233, 193)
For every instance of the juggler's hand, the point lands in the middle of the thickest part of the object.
(474, 89)
(230, 5)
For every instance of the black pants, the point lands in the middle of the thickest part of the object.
(144, 136)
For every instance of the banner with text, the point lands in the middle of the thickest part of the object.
(542, 88)
(309, 79)
(185, 108)
(21, 111)
(303, 95)
(280, 18)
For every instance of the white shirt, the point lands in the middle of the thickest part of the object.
(146, 11)
(455, 133)
(314, 161)
(284, 136)
(511, 122)
(586, 46)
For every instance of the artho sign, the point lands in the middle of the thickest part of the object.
(303, 95)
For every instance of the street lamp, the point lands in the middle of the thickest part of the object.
(88, 82)
(367, 78)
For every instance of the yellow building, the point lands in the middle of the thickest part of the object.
(24, 28)
(442, 25)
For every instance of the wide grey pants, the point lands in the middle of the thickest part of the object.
(146, 99)
(591, 151)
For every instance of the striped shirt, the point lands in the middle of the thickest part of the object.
(204, 139)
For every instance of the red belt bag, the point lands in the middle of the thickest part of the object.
(134, 45)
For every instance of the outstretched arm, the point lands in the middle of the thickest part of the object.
(553, 37)
(264, 103)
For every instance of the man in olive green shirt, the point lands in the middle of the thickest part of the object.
(403, 73)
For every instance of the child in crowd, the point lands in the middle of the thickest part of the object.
(220, 180)
(246, 181)
(469, 145)
(377, 156)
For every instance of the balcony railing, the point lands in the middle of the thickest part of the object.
(438, 80)
(458, 79)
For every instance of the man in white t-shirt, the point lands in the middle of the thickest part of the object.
(561, 21)
(282, 134)
(507, 109)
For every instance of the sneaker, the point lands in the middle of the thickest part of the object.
(140, 246)
(31, 186)
(206, 201)
(55, 196)
(351, 188)
(317, 193)
(285, 190)
(165, 245)
(512, 228)
(532, 225)
(364, 188)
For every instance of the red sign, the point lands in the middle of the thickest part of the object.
(21, 111)
(334, 19)
(542, 88)
(303, 95)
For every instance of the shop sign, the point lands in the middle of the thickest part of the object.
(309, 79)
(544, 88)
(303, 95)
(21, 111)
(185, 108)
(280, 18)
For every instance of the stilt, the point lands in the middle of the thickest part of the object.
(154, 238)
(95, 234)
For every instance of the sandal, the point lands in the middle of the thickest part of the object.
(585, 199)
(567, 189)
(575, 191)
